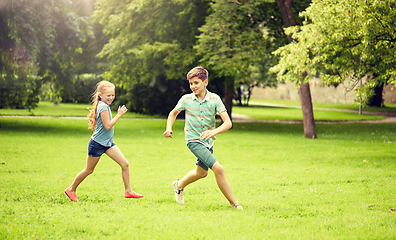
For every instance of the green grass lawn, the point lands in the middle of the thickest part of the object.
(63, 110)
(277, 113)
(339, 186)
(256, 112)
(389, 107)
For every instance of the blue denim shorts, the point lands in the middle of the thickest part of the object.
(205, 158)
(97, 150)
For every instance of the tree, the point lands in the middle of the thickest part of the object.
(69, 32)
(88, 69)
(39, 42)
(18, 55)
(343, 40)
(234, 43)
(304, 91)
(150, 47)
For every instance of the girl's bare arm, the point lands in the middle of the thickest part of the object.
(107, 123)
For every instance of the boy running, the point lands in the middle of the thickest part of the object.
(201, 107)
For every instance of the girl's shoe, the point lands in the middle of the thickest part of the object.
(72, 196)
(133, 195)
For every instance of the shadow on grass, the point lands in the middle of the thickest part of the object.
(42, 125)
(344, 128)
(155, 128)
(268, 127)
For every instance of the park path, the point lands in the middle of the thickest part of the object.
(390, 117)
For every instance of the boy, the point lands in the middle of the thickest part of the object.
(201, 107)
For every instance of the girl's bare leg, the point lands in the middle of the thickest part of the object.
(88, 169)
(116, 154)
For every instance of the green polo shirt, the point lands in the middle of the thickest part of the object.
(200, 116)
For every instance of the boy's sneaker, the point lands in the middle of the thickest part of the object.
(239, 207)
(178, 192)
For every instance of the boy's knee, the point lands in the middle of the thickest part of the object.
(218, 169)
(202, 174)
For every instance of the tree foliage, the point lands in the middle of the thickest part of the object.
(342, 40)
(39, 42)
(238, 38)
(18, 55)
(234, 41)
(150, 47)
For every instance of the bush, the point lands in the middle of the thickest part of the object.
(78, 92)
(159, 97)
(81, 90)
(19, 92)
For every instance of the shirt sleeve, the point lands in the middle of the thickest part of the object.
(101, 107)
(181, 105)
(220, 105)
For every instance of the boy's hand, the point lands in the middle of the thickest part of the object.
(207, 134)
(168, 133)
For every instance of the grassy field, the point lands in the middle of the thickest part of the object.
(280, 113)
(389, 107)
(62, 110)
(257, 112)
(339, 186)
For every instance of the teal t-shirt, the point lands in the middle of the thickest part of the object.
(101, 135)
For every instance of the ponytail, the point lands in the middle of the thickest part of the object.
(92, 112)
(100, 87)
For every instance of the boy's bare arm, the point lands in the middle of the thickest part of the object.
(171, 119)
(227, 124)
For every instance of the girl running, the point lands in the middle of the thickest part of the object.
(101, 122)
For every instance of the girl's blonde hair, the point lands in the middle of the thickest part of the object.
(100, 88)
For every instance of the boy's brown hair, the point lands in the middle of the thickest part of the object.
(199, 72)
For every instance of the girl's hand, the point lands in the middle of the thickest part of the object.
(121, 110)
(168, 133)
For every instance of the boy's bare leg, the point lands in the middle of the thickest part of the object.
(192, 176)
(223, 184)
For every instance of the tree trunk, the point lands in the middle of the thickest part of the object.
(376, 100)
(306, 105)
(239, 96)
(287, 14)
(304, 91)
(228, 96)
(54, 94)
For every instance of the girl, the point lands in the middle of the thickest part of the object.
(102, 123)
